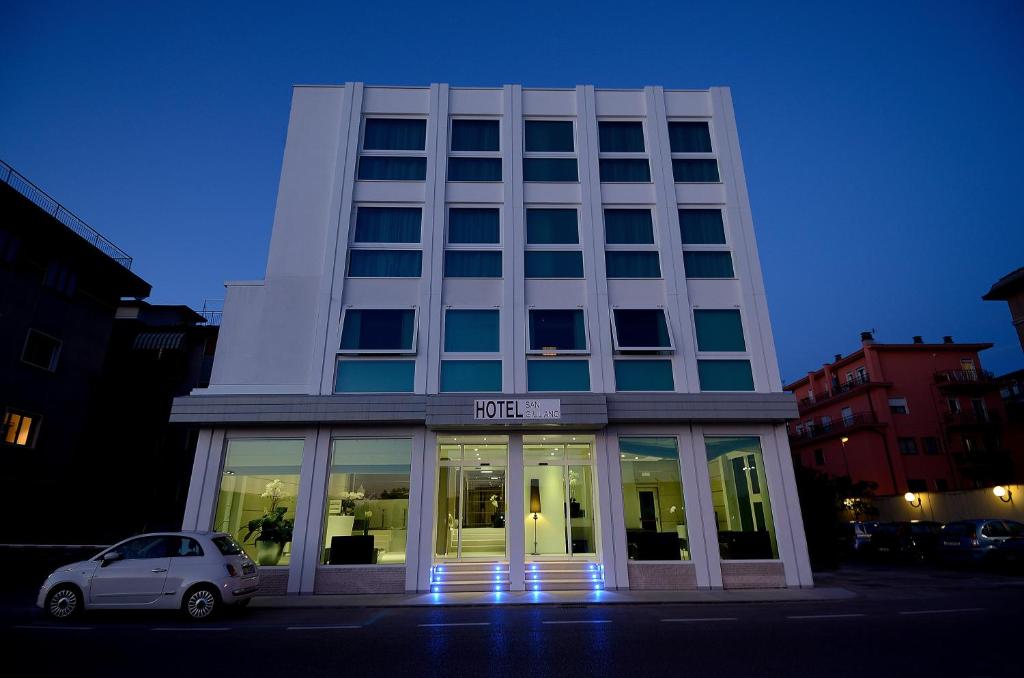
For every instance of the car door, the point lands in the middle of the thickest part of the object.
(188, 562)
(136, 578)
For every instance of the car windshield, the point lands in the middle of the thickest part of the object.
(227, 546)
(1016, 529)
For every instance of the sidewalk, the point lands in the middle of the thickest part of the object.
(554, 598)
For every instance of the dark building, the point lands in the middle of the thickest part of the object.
(1010, 288)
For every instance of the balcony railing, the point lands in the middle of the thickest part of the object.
(213, 311)
(964, 377)
(42, 200)
(819, 430)
(971, 418)
(838, 389)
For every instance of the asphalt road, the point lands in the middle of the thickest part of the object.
(902, 623)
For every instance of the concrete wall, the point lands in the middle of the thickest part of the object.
(948, 506)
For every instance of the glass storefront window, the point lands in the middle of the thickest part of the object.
(258, 489)
(652, 497)
(367, 509)
(558, 487)
(739, 496)
(471, 497)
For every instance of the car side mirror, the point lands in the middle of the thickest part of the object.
(110, 557)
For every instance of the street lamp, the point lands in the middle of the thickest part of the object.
(913, 499)
(846, 462)
(1003, 493)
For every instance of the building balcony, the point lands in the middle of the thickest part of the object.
(971, 419)
(965, 380)
(842, 426)
(838, 390)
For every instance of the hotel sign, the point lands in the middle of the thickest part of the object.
(517, 410)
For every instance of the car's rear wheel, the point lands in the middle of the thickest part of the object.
(200, 602)
(64, 602)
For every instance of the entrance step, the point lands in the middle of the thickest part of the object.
(564, 575)
(469, 576)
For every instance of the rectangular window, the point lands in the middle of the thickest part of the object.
(719, 330)
(367, 508)
(725, 375)
(552, 331)
(19, 428)
(847, 414)
(549, 136)
(689, 137)
(474, 169)
(552, 227)
(394, 134)
(652, 499)
(826, 422)
(61, 278)
(260, 479)
(695, 170)
(41, 350)
(930, 445)
(558, 375)
(708, 264)
(739, 497)
(375, 376)
(621, 136)
(632, 264)
(474, 226)
(701, 227)
(476, 135)
(554, 265)
(640, 329)
(643, 375)
(941, 484)
(470, 375)
(898, 406)
(819, 457)
(9, 246)
(624, 170)
(550, 169)
(917, 485)
(388, 224)
(954, 405)
(463, 264)
(628, 227)
(385, 263)
(907, 445)
(379, 331)
(471, 331)
(392, 168)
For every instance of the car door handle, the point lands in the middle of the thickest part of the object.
(159, 569)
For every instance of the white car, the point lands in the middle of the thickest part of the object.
(197, 572)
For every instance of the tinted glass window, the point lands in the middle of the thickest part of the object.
(458, 264)
(708, 264)
(550, 169)
(701, 227)
(375, 376)
(394, 134)
(624, 170)
(725, 375)
(641, 328)
(994, 529)
(689, 137)
(145, 547)
(227, 546)
(629, 227)
(558, 375)
(470, 375)
(388, 224)
(551, 227)
(385, 263)
(557, 330)
(554, 265)
(475, 135)
(621, 136)
(185, 547)
(643, 375)
(719, 330)
(632, 265)
(378, 329)
(695, 171)
(550, 136)
(471, 331)
(392, 169)
(474, 225)
(474, 169)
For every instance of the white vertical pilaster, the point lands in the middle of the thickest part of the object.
(785, 502)
(613, 521)
(195, 488)
(428, 361)
(705, 519)
(515, 509)
(304, 515)
(513, 313)
(211, 481)
(423, 455)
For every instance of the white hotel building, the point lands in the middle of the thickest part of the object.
(508, 339)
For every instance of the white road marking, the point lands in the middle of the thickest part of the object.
(320, 628)
(701, 619)
(955, 609)
(824, 616)
(459, 624)
(580, 621)
(185, 628)
(58, 628)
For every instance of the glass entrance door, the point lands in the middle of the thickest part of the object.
(558, 493)
(471, 498)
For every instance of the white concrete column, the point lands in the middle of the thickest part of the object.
(613, 521)
(782, 493)
(318, 461)
(705, 519)
(306, 502)
(211, 481)
(417, 578)
(195, 488)
(515, 510)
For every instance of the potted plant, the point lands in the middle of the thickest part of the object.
(272, 530)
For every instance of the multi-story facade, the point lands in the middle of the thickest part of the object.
(916, 417)
(508, 339)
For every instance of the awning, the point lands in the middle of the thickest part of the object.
(154, 341)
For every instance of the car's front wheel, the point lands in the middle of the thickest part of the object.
(64, 602)
(200, 603)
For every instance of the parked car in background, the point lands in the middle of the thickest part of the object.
(986, 541)
(855, 536)
(911, 541)
(196, 572)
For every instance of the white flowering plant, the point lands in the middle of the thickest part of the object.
(272, 526)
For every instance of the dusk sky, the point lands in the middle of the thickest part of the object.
(882, 142)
